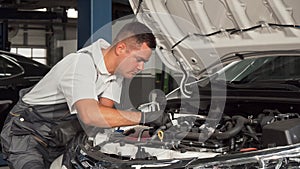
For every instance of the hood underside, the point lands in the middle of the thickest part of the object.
(194, 34)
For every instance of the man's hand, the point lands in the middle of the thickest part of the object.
(155, 118)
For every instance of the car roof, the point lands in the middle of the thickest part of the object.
(21, 59)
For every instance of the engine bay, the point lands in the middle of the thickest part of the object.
(195, 136)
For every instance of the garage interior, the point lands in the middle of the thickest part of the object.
(260, 91)
(46, 27)
(46, 31)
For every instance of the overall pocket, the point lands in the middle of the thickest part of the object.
(64, 132)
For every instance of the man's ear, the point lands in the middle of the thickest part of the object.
(120, 48)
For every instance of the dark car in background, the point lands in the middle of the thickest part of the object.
(16, 72)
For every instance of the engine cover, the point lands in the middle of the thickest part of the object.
(281, 133)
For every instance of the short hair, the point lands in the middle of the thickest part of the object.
(140, 32)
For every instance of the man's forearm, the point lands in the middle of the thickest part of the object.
(115, 118)
(94, 114)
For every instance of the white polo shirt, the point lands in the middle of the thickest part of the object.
(77, 76)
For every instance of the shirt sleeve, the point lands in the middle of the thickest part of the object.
(114, 90)
(79, 81)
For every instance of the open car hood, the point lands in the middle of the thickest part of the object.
(193, 35)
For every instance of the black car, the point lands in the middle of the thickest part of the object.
(255, 121)
(16, 72)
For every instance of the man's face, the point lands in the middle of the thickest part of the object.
(133, 61)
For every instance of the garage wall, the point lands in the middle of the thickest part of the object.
(44, 35)
(60, 38)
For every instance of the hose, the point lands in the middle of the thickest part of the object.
(240, 121)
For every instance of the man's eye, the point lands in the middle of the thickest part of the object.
(140, 59)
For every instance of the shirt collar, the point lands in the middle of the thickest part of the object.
(98, 55)
(95, 50)
(99, 60)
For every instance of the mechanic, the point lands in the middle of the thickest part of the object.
(84, 84)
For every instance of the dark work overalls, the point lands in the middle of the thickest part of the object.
(26, 138)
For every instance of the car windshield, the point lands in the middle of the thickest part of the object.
(272, 68)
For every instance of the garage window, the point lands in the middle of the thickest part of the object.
(37, 54)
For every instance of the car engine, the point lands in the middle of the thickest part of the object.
(236, 133)
(194, 134)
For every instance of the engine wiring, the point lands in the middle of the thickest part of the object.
(232, 31)
(139, 6)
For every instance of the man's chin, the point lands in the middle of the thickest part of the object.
(126, 75)
(129, 75)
